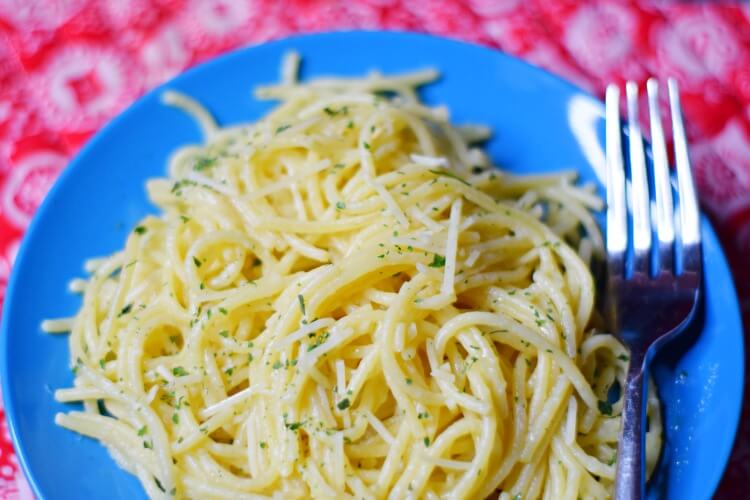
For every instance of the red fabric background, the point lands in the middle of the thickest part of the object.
(68, 66)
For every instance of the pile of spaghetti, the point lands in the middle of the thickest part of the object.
(345, 297)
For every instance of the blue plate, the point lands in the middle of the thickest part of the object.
(541, 123)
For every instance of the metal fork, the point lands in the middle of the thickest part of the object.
(653, 268)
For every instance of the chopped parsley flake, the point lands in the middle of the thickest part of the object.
(343, 404)
(77, 366)
(301, 300)
(179, 371)
(623, 357)
(409, 381)
(318, 341)
(451, 175)
(426, 441)
(282, 128)
(334, 112)
(177, 186)
(142, 431)
(277, 365)
(197, 262)
(605, 408)
(139, 229)
(263, 444)
(223, 311)
(293, 426)
(340, 205)
(437, 261)
(125, 310)
(224, 333)
(204, 163)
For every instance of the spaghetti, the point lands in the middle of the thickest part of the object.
(346, 298)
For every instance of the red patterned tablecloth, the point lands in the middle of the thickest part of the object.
(68, 66)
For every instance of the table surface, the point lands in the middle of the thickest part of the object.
(68, 66)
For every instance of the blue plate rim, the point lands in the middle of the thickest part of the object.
(69, 171)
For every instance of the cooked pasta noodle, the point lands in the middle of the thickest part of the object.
(346, 298)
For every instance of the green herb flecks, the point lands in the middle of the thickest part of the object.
(450, 175)
(301, 300)
(319, 340)
(333, 112)
(203, 163)
(125, 310)
(437, 261)
(293, 426)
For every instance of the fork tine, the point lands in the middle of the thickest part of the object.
(639, 197)
(662, 185)
(689, 227)
(617, 228)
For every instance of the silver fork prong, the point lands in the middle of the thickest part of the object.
(662, 186)
(617, 223)
(689, 227)
(639, 197)
(675, 293)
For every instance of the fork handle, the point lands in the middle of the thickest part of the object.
(630, 478)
